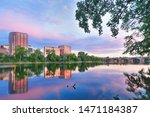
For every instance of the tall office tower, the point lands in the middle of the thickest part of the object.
(65, 50)
(17, 39)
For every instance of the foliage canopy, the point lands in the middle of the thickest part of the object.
(133, 15)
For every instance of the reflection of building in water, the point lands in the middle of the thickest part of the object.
(50, 73)
(17, 85)
(57, 73)
(65, 74)
(4, 76)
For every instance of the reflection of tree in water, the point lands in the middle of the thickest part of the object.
(29, 70)
(25, 70)
(21, 72)
(81, 66)
(52, 68)
(139, 84)
(68, 66)
(37, 69)
(85, 66)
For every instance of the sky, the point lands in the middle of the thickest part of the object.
(53, 23)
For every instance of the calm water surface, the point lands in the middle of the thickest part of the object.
(75, 82)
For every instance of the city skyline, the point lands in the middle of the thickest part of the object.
(55, 26)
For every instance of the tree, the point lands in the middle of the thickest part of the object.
(63, 58)
(37, 56)
(69, 57)
(72, 57)
(139, 84)
(52, 56)
(82, 56)
(133, 15)
(20, 53)
(1, 57)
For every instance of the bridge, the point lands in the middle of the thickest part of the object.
(128, 60)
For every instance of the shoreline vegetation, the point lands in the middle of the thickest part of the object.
(59, 62)
(24, 56)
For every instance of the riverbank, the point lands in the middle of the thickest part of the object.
(16, 63)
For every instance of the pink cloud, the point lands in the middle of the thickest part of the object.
(98, 45)
(23, 23)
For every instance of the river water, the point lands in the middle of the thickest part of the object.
(75, 82)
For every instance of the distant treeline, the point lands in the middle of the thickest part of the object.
(23, 55)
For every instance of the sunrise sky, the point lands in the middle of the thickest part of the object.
(52, 23)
